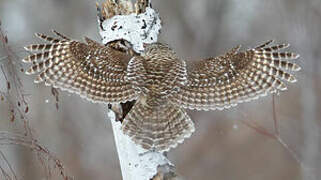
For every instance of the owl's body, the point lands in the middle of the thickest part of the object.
(160, 82)
(154, 121)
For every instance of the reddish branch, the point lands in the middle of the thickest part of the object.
(273, 135)
(15, 97)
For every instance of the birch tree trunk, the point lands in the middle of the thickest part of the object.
(119, 20)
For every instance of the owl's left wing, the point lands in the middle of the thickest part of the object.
(89, 69)
(225, 81)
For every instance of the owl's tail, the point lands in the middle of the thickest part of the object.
(157, 127)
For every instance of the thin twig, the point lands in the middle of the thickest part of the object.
(274, 135)
(276, 124)
(8, 164)
(5, 174)
(7, 138)
(9, 69)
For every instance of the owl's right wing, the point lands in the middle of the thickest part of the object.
(91, 70)
(236, 77)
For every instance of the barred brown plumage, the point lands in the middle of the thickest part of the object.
(160, 81)
(157, 124)
(94, 71)
(224, 81)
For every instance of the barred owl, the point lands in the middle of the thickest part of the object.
(160, 82)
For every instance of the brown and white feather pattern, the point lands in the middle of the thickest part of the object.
(154, 122)
(94, 71)
(157, 125)
(160, 82)
(166, 73)
(236, 77)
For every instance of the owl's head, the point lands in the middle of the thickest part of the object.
(158, 50)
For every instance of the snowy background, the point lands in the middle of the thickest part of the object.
(222, 147)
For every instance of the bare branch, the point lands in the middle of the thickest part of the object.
(9, 166)
(19, 107)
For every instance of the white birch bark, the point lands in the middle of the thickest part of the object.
(136, 163)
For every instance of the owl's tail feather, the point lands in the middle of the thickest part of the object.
(157, 127)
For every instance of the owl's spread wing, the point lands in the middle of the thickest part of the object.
(89, 69)
(225, 81)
